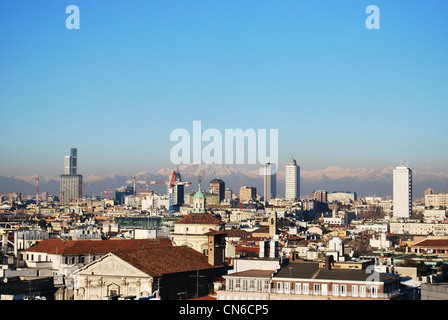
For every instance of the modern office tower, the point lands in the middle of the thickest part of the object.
(71, 182)
(270, 181)
(292, 180)
(71, 187)
(178, 191)
(217, 186)
(402, 192)
(247, 193)
(121, 193)
(67, 165)
(70, 163)
(73, 161)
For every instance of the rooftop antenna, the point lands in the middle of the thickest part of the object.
(200, 178)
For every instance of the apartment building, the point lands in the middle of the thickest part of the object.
(436, 200)
(312, 280)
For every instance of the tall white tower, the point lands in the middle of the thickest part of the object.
(292, 188)
(402, 192)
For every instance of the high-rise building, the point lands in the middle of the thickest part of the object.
(74, 161)
(320, 195)
(71, 182)
(402, 192)
(178, 191)
(122, 192)
(292, 180)
(217, 186)
(67, 165)
(270, 181)
(247, 193)
(228, 194)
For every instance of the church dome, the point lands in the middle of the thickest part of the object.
(199, 194)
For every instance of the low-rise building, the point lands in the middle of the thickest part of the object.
(312, 280)
(163, 273)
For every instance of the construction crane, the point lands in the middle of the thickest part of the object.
(84, 188)
(171, 183)
(106, 192)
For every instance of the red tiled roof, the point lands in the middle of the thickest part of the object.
(76, 247)
(431, 243)
(252, 273)
(240, 249)
(199, 218)
(212, 232)
(159, 261)
(237, 233)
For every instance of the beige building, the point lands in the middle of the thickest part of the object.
(167, 273)
(247, 193)
(436, 200)
(306, 280)
(192, 230)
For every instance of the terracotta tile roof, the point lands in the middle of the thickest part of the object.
(261, 230)
(212, 232)
(237, 233)
(241, 249)
(199, 218)
(432, 243)
(77, 247)
(159, 261)
(252, 273)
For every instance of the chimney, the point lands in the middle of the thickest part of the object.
(328, 262)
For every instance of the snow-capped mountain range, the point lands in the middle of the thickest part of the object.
(364, 181)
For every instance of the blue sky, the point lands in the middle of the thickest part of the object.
(338, 93)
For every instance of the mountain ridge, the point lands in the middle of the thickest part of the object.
(364, 181)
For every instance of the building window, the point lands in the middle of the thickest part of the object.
(259, 285)
(306, 288)
(316, 288)
(252, 284)
(374, 291)
(238, 283)
(244, 285)
(230, 282)
(280, 287)
(335, 290)
(266, 285)
(354, 291)
(362, 291)
(343, 290)
(287, 287)
(298, 288)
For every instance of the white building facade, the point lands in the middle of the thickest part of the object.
(292, 188)
(402, 192)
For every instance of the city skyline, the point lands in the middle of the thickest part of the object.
(339, 94)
